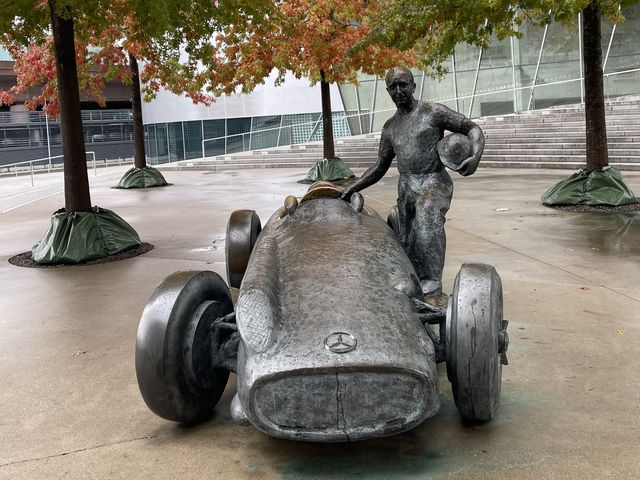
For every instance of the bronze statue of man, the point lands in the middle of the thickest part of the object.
(424, 188)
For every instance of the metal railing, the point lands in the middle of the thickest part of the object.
(20, 117)
(48, 165)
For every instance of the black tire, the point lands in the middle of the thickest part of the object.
(474, 323)
(242, 233)
(393, 220)
(174, 358)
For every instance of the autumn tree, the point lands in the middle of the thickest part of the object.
(171, 40)
(83, 37)
(309, 38)
(433, 29)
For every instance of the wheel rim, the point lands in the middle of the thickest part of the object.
(473, 345)
(242, 232)
(174, 364)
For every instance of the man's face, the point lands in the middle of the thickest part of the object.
(401, 87)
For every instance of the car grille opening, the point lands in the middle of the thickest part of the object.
(341, 401)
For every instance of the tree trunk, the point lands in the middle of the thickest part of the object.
(328, 150)
(76, 180)
(596, 127)
(139, 155)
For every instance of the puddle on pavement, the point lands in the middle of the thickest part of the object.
(615, 234)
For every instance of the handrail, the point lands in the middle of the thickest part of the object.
(8, 166)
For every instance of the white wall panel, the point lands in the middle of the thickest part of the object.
(293, 96)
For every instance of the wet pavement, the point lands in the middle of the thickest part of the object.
(570, 396)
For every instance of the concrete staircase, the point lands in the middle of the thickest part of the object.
(555, 137)
(551, 138)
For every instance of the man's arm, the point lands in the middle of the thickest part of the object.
(469, 165)
(458, 123)
(375, 173)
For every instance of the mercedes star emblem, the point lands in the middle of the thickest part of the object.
(340, 342)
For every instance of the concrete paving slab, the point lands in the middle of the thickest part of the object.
(571, 394)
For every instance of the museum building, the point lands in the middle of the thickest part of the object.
(540, 69)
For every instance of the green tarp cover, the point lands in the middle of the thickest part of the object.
(329, 170)
(600, 187)
(82, 236)
(142, 178)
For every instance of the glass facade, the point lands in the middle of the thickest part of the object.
(170, 142)
(540, 69)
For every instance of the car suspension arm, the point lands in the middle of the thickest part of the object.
(431, 315)
(225, 339)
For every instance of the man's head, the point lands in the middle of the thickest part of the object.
(401, 86)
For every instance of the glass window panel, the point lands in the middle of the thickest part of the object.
(301, 127)
(437, 89)
(152, 152)
(348, 94)
(163, 148)
(213, 129)
(146, 142)
(127, 131)
(265, 132)
(560, 62)
(525, 52)
(624, 54)
(54, 134)
(466, 63)
(37, 137)
(623, 84)
(176, 144)
(237, 141)
(356, 120)
(238, 125)
(365, 94)
(94, 134)
(113, 132)
(340, 127)
(193, 139)
(494, 94)
(16, 137)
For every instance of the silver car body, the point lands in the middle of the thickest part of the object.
(331, 348)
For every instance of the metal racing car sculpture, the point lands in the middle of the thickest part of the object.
(330, 337)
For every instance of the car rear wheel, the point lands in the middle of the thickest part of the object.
(174, 358)
(242, 232)
(476, 341)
